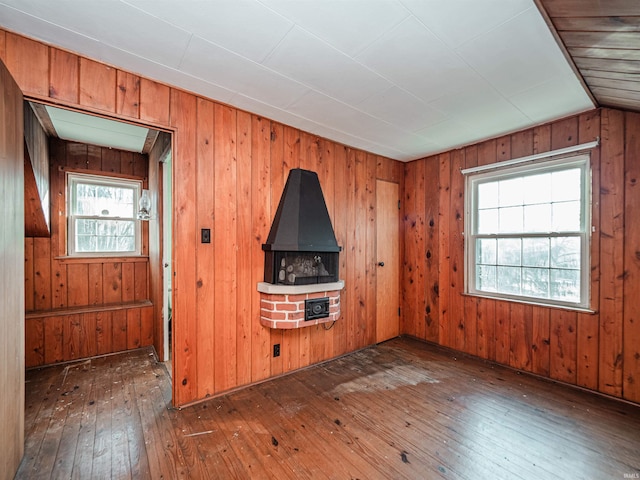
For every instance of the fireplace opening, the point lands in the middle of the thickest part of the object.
(301, 268)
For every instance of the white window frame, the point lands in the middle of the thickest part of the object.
(73, 178)
(472, 181)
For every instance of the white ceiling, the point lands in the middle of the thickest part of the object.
(401, 78)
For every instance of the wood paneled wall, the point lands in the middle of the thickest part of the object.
(598, 351)
(66, 299)
(11, 276)
(229, 169)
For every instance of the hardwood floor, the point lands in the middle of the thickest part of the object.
(401, 410)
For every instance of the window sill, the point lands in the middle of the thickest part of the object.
(533, 303)
(102, 258)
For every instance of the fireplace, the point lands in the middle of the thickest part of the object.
(301, 264)
(301, 248)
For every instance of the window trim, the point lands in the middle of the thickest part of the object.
(73, 177)
(581, 160)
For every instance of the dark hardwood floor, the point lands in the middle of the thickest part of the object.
(400, 410)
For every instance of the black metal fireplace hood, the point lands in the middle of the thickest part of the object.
(302, 222)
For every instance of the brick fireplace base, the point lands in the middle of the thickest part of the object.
(282, 306)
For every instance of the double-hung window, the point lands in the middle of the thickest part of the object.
(101, 215)
(527, 232)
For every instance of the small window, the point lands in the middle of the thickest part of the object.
(102, 215)
(528, 232)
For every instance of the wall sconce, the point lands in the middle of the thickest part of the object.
(144, 206)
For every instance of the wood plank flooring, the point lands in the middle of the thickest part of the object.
(400, 410)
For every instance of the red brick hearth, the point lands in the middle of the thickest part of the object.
(283, 306)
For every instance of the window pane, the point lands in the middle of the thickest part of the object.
(488, 195)
(486, 278)
(509, 251)
(509, 280)
(511, 192)
(511, 220)
(535, 252)
(565, 285)
(565, 252)
(538, 189)
(486, 250)
(535, 282)
(537, 218)
(94, 235)
(103, 200)
(488, 221)
(566, 217)
(566, 185)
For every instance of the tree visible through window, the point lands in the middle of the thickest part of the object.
(102, 215)
(528, 232)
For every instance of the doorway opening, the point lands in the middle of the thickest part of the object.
(116, 299)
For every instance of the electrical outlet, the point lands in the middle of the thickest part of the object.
(205, 235)
(276, 350)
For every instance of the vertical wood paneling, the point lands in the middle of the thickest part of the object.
(588, 331)
(631, 325)
(31, 76)
(431, 250)
(128, 94)
(261, 215)
(362, 315)
(456, 253)
(413, 238)
(42, 273)
(444, 221)
(245, 283)
(63, 75)
(34, 342)
(154, 102)
(78, 282)
(225, 244)
(29, 280)
(470, 307)
(128, 282)
(370, 252)
(341, 214)
(104, 328)
(119, 330)
(97, 85)
(205, 293)
(183, 114)
(133, 328)
(611, 251)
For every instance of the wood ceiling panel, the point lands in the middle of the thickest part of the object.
(621, 66)
(603, 40)
(597, 24)
(623, 40)
(591, 8)
(610, 83)
(610, 53)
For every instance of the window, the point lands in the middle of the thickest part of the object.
(102, 215)
(528, 231)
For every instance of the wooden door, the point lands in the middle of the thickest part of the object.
(387, 260)
(11, 274)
